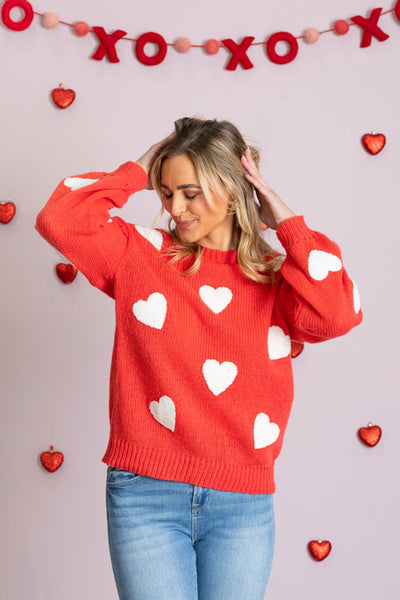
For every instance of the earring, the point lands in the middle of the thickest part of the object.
(231, 207)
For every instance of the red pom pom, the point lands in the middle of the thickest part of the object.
(211, 46)
(341, 27)
(81, 28)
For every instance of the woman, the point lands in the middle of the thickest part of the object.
(201, 382)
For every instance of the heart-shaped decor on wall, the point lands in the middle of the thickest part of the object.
(7, 212)
(51, 460)
(62, 97)
(66, 272)
(296, 348)
(319, 550)
(373, 142)
(370, 435)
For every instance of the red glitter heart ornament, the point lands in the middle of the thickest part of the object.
(296, 348)
(51, 460)
(7, 212)
(370, 435)
(319, 550)
(66, 272)
(373, 142)
(62, 97)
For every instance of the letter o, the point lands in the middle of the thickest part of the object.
(17, 25)
(282, 36)
(397, 10)
(151, 38)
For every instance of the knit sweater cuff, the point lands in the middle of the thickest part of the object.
(293, 230)
(133, 174)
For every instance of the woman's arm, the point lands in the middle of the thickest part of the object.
(273, 211)
(76, 220)
(316, 297)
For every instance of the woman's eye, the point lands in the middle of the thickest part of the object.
(167, 196)
(190, 197)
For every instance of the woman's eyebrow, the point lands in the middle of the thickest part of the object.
(184, 186)
(189, 185)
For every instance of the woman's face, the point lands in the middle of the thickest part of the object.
(195, 218)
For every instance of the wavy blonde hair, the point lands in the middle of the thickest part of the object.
(215, 148)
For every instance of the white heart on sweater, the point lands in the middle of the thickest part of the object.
(164, 412)
(152, 311)
(152, 235)
(320, 263)
(78, 182)
(215, 298)
(265, 433)
(279, 344)
(219, 376)
(356, 298)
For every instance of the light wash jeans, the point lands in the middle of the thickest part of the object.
(176, 541)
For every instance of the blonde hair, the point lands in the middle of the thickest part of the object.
(215, 148)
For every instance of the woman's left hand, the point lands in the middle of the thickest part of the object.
(273, 211)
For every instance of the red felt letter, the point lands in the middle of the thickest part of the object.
(239, 53)
(107, 44)
(370, 27)
(17, 25)
(397, 10)
(151, 38)
(282, 36)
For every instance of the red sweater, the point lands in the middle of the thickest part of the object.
(201, 380)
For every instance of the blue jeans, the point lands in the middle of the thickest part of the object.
(176, 541)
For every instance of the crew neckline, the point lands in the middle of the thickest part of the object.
(219, 256)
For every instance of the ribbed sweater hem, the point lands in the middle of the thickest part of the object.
(160, 464)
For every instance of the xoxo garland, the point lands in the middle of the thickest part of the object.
(107, 42)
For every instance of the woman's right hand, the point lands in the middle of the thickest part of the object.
(146, 160)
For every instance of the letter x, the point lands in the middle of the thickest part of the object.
(370, 27)
(107, 44)
(238, 53)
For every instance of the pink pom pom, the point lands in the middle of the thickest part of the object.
(341, 27)
(311, 36)
(211, 46)
(81, 28)
(183, 45)
(50, 20)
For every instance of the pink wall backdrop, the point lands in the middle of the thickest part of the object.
(308, 117)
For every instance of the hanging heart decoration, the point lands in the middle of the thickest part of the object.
(370, 435)
(66, 272)
(319, 550)
(373, 142)
(7, 212)
(52, 460)
(296, 348)
(62, 97)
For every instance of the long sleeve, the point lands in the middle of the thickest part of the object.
(317, 298)
(76, 220)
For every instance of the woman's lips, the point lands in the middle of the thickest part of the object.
(185, 224)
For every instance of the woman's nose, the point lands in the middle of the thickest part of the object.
(178, 206)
